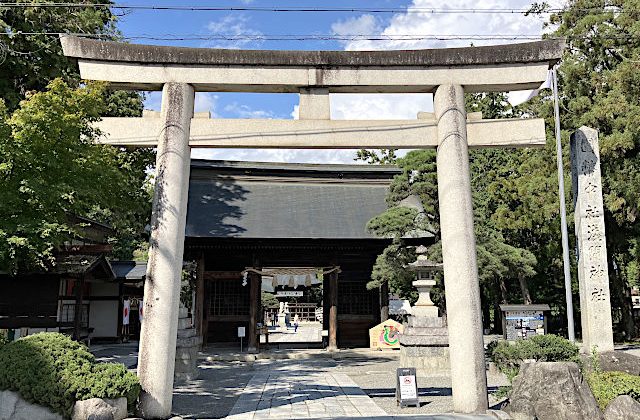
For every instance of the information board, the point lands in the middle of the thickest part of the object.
(524, 324)
(406, 387)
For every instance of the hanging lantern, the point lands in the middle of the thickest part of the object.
(292, 282)
(307, 280)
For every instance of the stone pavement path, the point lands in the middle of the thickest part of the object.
(303, 395)
(307, 333)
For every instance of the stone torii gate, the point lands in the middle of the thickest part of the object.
(448, 73)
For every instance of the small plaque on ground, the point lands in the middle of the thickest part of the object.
(407, 387)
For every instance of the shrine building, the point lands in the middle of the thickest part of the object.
(248, 219)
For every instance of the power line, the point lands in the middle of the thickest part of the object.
(291, 9)
(320, 37)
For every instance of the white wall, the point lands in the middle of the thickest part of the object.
(103, 318)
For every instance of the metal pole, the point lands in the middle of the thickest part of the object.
(563, 211)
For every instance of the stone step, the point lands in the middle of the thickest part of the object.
(424, 340)
(426, 331)
(186, 353)
(184, 323)
(426, 322)
(186, 333)
(189, 342)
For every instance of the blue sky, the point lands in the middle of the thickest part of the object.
(160, 23)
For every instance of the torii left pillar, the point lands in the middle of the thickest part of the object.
(156, 360)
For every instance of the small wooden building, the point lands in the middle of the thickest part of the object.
(245, 217)
(82, 295)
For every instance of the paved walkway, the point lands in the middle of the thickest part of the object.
(303, 395)
(307, 333)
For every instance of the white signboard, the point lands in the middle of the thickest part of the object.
(284, 293)
(241, 332)
(408, 387)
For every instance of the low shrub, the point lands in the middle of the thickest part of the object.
(3, 339)
(52, 370)
(606, 386)
(542, 348)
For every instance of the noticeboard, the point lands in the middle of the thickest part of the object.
(241, 332)
(524, 324)
(406, 387)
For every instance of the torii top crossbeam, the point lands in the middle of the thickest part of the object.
(315, 74)
(479, 69)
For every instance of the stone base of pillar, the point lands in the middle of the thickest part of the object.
(424, 345)
(187, 346)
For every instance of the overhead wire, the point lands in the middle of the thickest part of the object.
(320, 37)
(297, 9)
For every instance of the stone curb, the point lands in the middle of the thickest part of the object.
(336, 355)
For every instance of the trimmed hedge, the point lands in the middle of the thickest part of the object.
(542, 348)
(606, 386)
(52, 370)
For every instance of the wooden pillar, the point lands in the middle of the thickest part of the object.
(254, 310)
(77, 315)
(333, 311)
(384, 301)
(199, 309)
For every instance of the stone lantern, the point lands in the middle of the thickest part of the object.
(426, 272)
(424, 344)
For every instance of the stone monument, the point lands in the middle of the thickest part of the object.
(187, 346)
(424, 344)
(593, 272)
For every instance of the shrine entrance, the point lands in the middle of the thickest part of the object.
(267, 234)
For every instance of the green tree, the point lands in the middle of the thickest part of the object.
(51, 168)
(30, 59)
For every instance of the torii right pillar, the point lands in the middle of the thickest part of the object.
(462, 290)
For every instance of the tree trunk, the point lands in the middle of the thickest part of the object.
(524, 288)
(497, 315)
(623, 294)
(503, 290)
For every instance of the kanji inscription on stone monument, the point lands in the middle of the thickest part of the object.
(593, 275)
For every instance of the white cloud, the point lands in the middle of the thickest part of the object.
(206, 102)
(416, 23)
(235, 25)
(244, 111)
(401, 106)
(364, 24)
